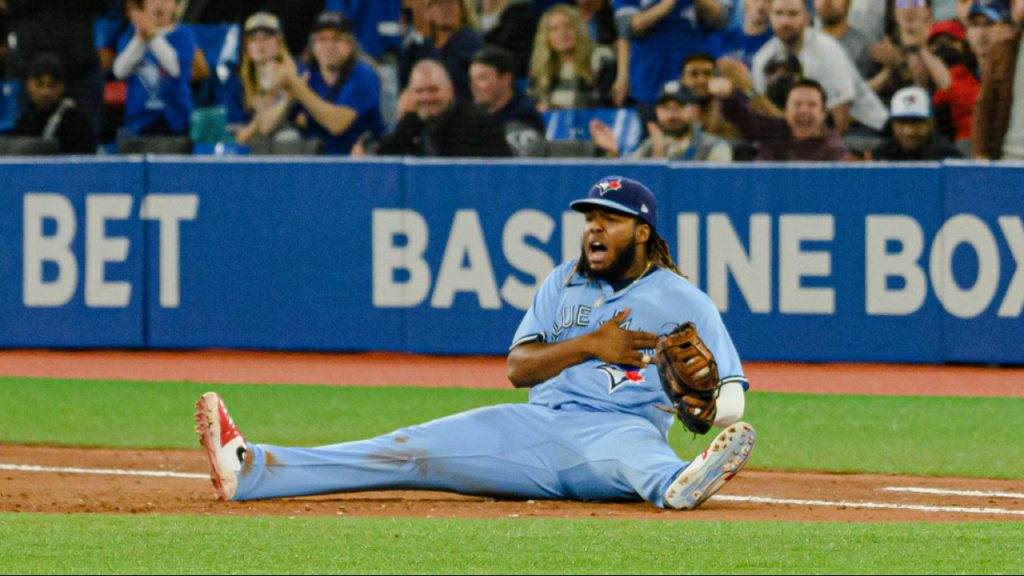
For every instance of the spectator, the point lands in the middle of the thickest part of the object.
(439, 125)
(742, 42)
(801, 135)
(452, 40)
(157, 63)
(661, 35)
(986, 25)
(338, 100)
(494, 90)
(63, 28)
(565, 71)
(999, 113)
(946, 40)
(698, 69)
(780, 74)
(250, 90)
(834, 18)
(908, 62)
(512, 25)
(676, 135)
(599, 18)
(822, 60)
(49, 114)
(914, 136)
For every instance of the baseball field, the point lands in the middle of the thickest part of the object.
(858, 469)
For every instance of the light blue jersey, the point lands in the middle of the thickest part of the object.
(567, 306)
(593, 432)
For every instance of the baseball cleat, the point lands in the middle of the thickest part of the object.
(714, 467)
(224, 444)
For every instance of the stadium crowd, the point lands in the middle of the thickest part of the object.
(688, 80)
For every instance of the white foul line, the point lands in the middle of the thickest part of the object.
(869, 505)
(151, 473)
(754, 499)
(941, 492)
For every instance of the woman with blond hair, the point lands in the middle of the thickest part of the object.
(452, 39)
(566, 71)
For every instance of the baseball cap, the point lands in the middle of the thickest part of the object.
(622, 195)
(949, 27)
(264, 21)
(677, 91)
(994, 11)
(911, 103)
(334, 20)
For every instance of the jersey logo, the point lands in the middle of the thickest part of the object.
(619, 376)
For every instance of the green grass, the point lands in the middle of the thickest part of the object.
(974, 437)
(31, 543)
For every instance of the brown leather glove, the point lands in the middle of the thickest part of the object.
(689, 376)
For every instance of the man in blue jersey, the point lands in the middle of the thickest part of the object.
(592, 429)
(338, 101)
(156, 60)
(662, 34)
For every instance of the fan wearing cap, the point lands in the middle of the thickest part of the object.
(913, 130)
(156, 60)
(250, 91)
(999, 115)
(676, 135)
(338, 100)
(591, 430)
(987, 22)
(946, 39)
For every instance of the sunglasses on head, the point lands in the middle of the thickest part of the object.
(911, 3)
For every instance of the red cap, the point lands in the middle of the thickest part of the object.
(951, 27)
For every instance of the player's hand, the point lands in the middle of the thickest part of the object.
(611, 344)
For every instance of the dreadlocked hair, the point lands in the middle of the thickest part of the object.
(658, 252)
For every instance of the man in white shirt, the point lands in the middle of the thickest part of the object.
(823, 60)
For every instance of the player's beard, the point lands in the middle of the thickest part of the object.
(616, 270)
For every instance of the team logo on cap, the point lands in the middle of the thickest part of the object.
(619, 376)
(606, 186)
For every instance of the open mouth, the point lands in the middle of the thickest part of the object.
(597, 252)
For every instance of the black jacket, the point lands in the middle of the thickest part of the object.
(74, 133)
(464, 130)
(938, 148)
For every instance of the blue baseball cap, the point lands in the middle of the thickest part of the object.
(995, 11)
(622, 195)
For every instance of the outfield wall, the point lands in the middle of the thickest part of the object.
(845, 262)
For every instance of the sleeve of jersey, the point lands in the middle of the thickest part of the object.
(541, 315)
(712, 330)
(362, 92)
(185, 44)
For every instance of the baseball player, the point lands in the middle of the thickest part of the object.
(592, 429)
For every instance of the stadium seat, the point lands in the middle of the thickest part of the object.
(28, 146)
(208, 125)
(154, 145)
(571, 149)
(276, 146)
(575, 125)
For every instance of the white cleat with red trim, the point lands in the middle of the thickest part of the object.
(714, 467)
(224, 444)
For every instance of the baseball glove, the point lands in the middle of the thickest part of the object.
(689, 376)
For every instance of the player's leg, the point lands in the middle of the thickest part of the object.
(627, 458)
(500, 450)
(621, 457)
